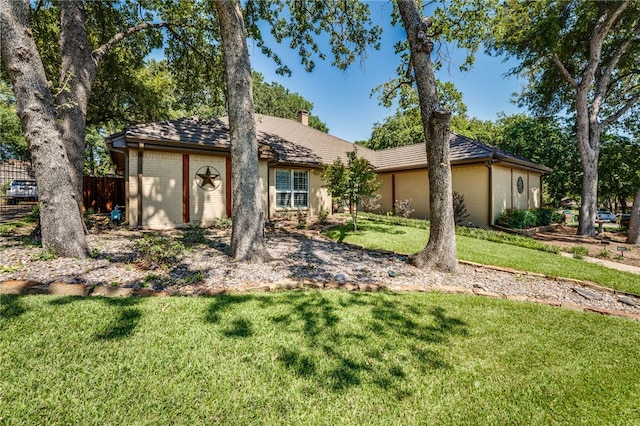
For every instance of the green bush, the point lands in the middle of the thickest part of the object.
(579, 251)
(323, 214)
(195, 234)
(222, 223)
(547, 216)
(34, 215)
(460, 212)
(517, 219)
(157, 250)
(522, 219)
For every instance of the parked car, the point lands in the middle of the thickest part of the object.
(22, 190)
(605, 216)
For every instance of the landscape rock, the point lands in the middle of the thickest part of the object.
(16, 286)
(112, 291)
(64, 289)
(587, 294)
(627, 300)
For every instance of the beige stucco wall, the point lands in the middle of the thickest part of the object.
(487, 192)
(132, 188)
(319, 198)
(501, 191)
(409, 185)
(263, 170)
(385, 192)
(535, 190)
(505, 189)
(206, 204)
(161, 189)
(472, 182)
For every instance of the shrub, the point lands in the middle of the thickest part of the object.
(547, 216)
(517, 219)
(34, 215)
(301, 218)
(195, 234)
(157, 250)
(403, 208)
(222, 223)
(522, 219)
(460, 212)
(370, 204)
(579, 251)
(323, 214)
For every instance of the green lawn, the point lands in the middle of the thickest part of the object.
(307, 357)
(376, 234)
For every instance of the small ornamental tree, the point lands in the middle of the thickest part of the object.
(351, 183)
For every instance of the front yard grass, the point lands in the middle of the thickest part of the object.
(309, 357)
(377, 234)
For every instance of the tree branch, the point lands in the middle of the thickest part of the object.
(101, 51)
(189, 45)
(563, 70)
(605, 78)
(600, 31)
(627, 105)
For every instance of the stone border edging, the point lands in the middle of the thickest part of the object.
(17, 287)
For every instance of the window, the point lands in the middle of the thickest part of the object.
(292, 189)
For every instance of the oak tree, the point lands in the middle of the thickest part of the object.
(440, 251)
(580, 58)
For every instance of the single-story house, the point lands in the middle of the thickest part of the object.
(177, 172)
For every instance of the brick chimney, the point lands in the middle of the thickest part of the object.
(303, 117)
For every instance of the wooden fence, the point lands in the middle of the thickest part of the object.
(101, 194)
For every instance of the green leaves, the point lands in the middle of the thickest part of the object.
(352, 182)
(344, 25)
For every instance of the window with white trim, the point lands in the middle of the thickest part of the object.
(292, 189)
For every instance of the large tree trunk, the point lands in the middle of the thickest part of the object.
(77, 74)
(589, 147)
(61, 220)
(440, 252)
(247, 235)
(634, 224)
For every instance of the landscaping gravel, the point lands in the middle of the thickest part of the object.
(297, 260)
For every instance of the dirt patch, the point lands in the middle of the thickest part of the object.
(605, 246)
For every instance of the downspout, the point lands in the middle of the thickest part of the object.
(272, 161)
(140, 175)
(127, 192)
(393, 193)
(528, 191)
(491, 200)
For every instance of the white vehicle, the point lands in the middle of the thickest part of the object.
(605, 216)
(22, 190)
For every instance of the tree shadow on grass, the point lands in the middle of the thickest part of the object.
(126, 319)
(345, 340)
(11, 307)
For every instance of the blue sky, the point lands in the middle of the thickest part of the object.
(342, 98)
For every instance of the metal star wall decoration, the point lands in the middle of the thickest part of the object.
(208, 178)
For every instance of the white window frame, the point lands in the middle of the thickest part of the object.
(289, 190)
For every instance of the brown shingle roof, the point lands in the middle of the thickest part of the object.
(295, 143)
(461, 149)
(325, 147)
(193, 130)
